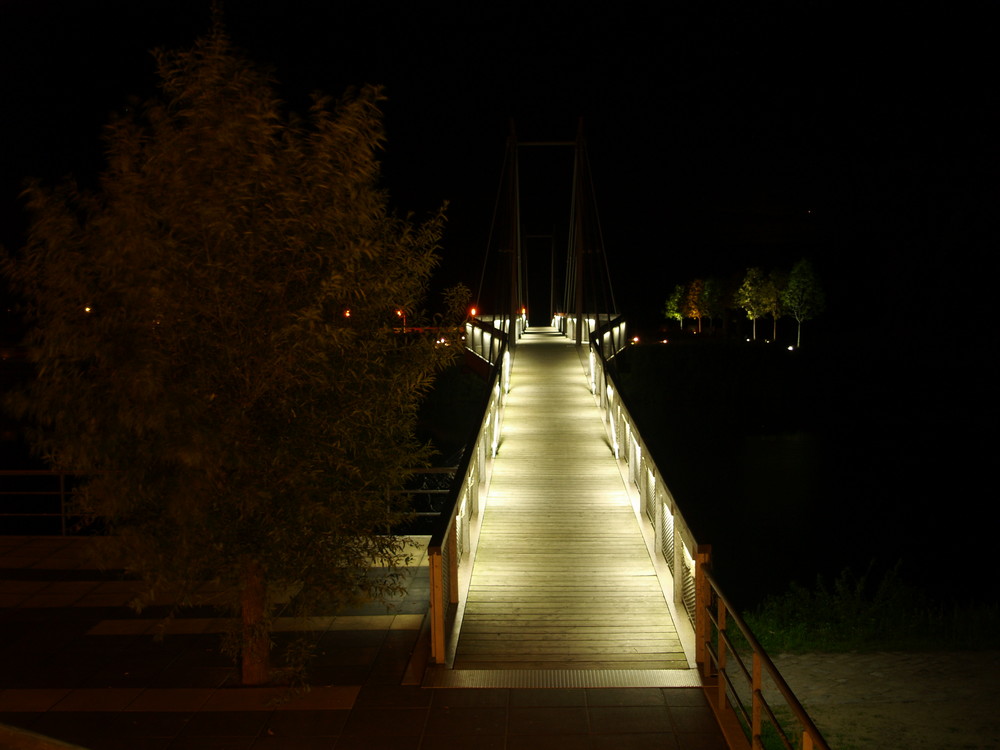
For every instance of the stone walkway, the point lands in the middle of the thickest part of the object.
(78, 665)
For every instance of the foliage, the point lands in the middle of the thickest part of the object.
(803, 297)
(771, 291)
(751, 296)
(673, 307)
(212, 333)
(457, 301)
(692, 305)
(712, 298)
(865, 613)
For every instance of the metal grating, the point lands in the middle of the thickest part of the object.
(651, 494)
(667, 538)
(688, 589)
(442, 677)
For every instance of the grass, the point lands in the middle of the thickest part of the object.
(866, 612)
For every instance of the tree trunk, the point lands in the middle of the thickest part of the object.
(798, 335)
(256, 653)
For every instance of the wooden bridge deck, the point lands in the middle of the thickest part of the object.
(562, 578)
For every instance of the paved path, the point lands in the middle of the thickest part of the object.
(78, 665)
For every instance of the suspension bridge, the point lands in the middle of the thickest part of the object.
(566, 561)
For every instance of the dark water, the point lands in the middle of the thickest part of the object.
(794, 467)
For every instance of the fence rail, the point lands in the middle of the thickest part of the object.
(36, 501)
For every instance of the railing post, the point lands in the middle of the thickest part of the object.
(721, 619)
(756, 690)
(437, 606)
(62, 502)
(453, 565)
(702, 599)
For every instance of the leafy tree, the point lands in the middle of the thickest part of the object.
(450, 322)
(774, 284)
(673, 308)
(803, 297)
(692, 305)
(751, 296)
(712, 299)
(212, 327)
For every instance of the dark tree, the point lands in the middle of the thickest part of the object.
(803, 297)
(771, 291)
(213, 333)
(712, 296)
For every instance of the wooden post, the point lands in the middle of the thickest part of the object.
(453, 563)
(721, 656)
(437, 607)
(62, 502)
(702, 598)
(756, 688)
(255, 659)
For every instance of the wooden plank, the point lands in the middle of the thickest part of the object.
(562, 578)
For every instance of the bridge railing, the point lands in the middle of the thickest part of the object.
(726, 652)
(448, 551)
(588, 323)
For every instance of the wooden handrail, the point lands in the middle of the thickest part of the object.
(761, 663)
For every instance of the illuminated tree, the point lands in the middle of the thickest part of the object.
(803, 297)
(673, 308)
(692, 305)
(195, 354)
(751, 296)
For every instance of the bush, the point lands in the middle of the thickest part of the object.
(866, 613)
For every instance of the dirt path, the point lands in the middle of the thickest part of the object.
(916, 701)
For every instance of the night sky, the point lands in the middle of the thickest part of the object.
(721, 135)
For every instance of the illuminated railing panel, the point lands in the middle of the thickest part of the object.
(449, 547)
